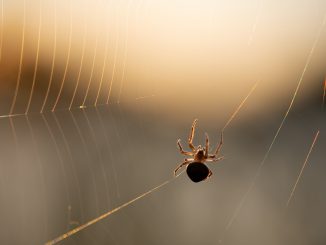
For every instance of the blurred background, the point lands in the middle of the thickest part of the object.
(94, 95)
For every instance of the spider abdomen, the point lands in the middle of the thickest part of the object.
(197, 171)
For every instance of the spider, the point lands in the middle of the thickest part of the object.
(196, 168)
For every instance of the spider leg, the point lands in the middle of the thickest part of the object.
(206, 146)
(209, 174)
(191, 136)
(186, 162)
(217, 148)
(215, 159)
(187, 153)
(189, 160)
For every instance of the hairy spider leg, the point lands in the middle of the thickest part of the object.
(187, 153)
(191, 136)
(209, 174)
(218, 148)
(186, 162)
(206, 146)
(215, 159)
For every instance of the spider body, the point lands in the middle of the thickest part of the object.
(199, 156)
(197, 171)
(196, 168)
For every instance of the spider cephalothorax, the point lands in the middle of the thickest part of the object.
(196, 168)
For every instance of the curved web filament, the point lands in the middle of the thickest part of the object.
(82, 56)
(67, 60)
(102, 73)
(93, 61)
(85, 149)
(58, 153)
(125, 52)
(83, 140)
(94, 141)
(20, 61)
(73, 162)
(53, 58)
(114, 61)
(36, 60)
(74, 108)
(108, 147)
(106, 48)
(41, 170)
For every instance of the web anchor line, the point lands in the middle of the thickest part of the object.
(105, 215)
(262, 163)
(303, 166)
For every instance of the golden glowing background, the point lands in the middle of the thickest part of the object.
(135, 73)
(179, 51)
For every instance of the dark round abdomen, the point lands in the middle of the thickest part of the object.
(197, 171)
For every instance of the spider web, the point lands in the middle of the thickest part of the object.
(79, 142)
(72, 156)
